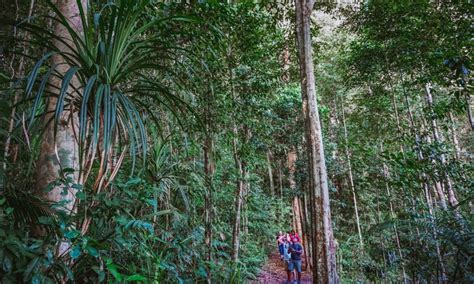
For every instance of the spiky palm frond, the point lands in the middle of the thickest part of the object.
(116, 59)
(165, 172)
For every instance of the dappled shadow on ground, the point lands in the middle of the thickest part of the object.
(274, 271)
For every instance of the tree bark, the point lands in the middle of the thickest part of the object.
(208, 203)
(454, 136)
(297, 210)
(238, 201)
(60, 151)
(286, 23)
(306, 234)
(245, 211)
(437, 186)
(426, 191)
(325, 254)
(240, 167)
(424, 177)
(426, 187)
(280, 182)
(351, 178)
(437, 137)
(19, 73)
(270, 172)
(386, 175)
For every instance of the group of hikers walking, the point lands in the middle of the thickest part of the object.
(290, 249)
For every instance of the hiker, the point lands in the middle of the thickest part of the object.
(286, 252)
(295, 237)
(281, 242)
(296, 250)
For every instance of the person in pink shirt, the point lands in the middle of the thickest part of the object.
(295, 238)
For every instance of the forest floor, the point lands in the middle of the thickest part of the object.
(274, 271)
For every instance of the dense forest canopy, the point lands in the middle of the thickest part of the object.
(170, 141)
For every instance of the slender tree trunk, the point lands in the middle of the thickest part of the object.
(19, 73)
(423, 175)
(425, 184)
(351, 179)
(208, 203)
(382, 237)
(386, 174)
(270, 172)
(454, 136)
(306, 234)
(437, 185)
(437, 137)
(297, 221)
(240, 167)
(429, 202)
(325, 254)
(209, 169)
(245, 223)
(239, 197)
(280, 181)
(247, 185)
(402, 148)
(286, 23)
(438, 189)
(397, 117)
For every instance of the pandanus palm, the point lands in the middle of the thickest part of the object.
(98, 79)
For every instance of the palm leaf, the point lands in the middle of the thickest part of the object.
(110, 58)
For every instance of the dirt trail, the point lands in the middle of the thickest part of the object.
(274, 271)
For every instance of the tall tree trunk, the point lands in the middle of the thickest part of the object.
(437, 185)
(297, 216)
(454, 136)
(306, 234)
(438, 139)
(270, 172)
(59, 154)
(325, 251)
(351, 178)
(429, 202)
(245, 212)
(386, 175)
(280, 181)
(285, 27)
(424, 176)
(246, 180)
(239, 197)
(18, 73)
(240, 167)
(208, 203)
(382, 237)
(426, 187)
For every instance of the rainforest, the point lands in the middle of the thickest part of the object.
(236, 141)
